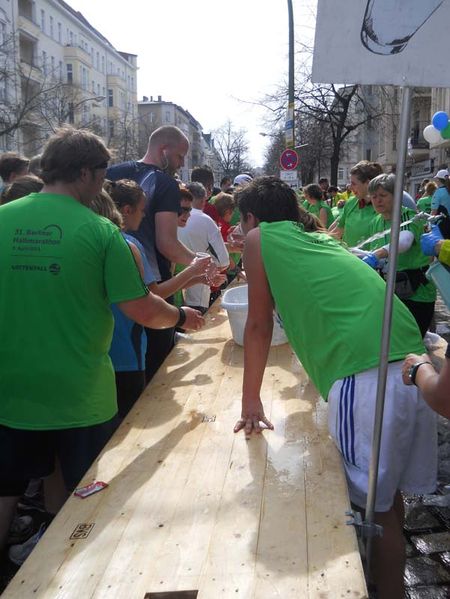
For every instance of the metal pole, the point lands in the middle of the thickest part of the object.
(387, 318)
(289, 128)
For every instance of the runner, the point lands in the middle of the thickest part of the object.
(331, 310)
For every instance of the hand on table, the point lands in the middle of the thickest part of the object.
(251, 417)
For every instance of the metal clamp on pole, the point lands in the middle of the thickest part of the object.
(364, 529)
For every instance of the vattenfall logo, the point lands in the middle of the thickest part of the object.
(55, 269)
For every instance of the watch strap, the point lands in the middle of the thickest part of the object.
(413, 370)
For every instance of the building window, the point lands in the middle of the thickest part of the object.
(103, 64)
(110, 128)
(69, 70)
(59, 33)
(61, 70)
(44, 62)
(52, 62)
(340, 174)
(110, 98)
(167, 116)
(43, 20)
(97, 61)
(93, 87)
(51, 26)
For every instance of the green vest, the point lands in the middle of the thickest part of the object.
(331, 304)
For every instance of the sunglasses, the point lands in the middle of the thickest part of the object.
(184, 210)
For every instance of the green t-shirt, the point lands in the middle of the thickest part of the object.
(316, 208)
(356, 222)
(414, 258)
(424, 204)
(331, 304)
(61, 266)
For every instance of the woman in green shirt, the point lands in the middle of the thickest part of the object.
(315, 204)
(413, 288)
(424, 203)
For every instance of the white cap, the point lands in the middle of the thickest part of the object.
(442, 174)
(242, 179)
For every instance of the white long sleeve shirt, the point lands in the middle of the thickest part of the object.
(200, 234)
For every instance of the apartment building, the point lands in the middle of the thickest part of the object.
(378, 138)
(154, 113)
(65, 71)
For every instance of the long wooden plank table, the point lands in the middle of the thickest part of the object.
(192, 507)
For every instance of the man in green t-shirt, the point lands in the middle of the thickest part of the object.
(331, 309)
(61, 267)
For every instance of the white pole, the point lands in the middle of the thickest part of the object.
(387, 318)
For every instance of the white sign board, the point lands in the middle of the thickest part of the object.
(291, 178)
(288, 176)
(398, 42)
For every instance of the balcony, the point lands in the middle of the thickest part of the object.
(76, 53)
(28, 27)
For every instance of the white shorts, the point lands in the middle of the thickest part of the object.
(408, 454)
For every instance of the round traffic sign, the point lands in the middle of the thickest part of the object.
(289, 159)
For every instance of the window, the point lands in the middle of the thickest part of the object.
(61, 70)
(369, 154)
(103, 64)
(51, 26)
(69, 70)
(110, 98)
(98, 89)
(52, 62)
(111, 128)
(43, 20)
(71, 38)
(59, 33)
(340, 174)
(44, 62)
(167, 116)
(97, 62)
(93, 87)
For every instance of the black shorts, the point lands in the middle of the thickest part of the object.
(26, 454)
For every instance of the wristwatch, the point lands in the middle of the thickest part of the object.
(412, 372)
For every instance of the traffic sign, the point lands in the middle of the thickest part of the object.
(289, 160)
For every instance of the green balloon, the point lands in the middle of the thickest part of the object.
(446, 132)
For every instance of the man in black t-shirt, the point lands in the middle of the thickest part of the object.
(167, 148)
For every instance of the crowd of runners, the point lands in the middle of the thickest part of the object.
(102, 265)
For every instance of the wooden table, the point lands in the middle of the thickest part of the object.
(192, 507)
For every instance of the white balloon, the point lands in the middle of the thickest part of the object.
(432, 135)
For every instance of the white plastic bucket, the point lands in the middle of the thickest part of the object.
(235, 302)
(440, 275)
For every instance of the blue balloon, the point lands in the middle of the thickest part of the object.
(440, 120)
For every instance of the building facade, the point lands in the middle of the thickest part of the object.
(65, 71)
(154, 113)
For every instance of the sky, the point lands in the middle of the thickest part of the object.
(215, 59)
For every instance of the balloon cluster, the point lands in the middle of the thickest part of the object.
(439, 129)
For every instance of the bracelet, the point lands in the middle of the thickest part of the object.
(182, 318)
(412, 373)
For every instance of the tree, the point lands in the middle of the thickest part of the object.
(326, 115)
(232, 148)
(273, 152)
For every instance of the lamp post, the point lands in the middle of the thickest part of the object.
(289, 126)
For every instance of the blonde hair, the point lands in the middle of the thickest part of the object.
(103, 205)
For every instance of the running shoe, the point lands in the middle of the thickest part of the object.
(19, 553)
(20, 529)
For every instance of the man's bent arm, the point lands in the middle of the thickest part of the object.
(153, 312)
(167, 242)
